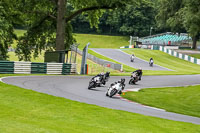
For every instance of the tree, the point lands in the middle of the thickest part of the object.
(47, 17)
(135, 20)
(180, 15)
(190, 14)
(7, 19)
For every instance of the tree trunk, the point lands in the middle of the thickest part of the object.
(60, 33)
(194, 43)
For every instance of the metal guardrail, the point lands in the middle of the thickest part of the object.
(102, 62)
(39, 68)
(36, 68)
(6, 67)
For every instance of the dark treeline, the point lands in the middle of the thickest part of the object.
(133, 20)
(47, 18)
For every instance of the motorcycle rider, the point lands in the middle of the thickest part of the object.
(101, 75)
(138, 72)
(132, 57)
(122, 82)
(151, 61)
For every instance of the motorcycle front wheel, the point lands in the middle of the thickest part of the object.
(91, 85)
(113, 92)
(131, 81)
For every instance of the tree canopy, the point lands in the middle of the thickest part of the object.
(7, 18)
(180, 15)
(49, 23)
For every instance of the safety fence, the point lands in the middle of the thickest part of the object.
(179, 55)
(102, 62)
(9, 67)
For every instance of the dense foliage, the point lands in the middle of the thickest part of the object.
(180, 15)
(50, 23)
(6, 28)
(136, 19)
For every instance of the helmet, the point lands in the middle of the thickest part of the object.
(102, 73)
(140, 68)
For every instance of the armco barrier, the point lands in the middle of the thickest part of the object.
(6, 67)
(54, 68)
(180, 55)
(36, 68)
(22, 67)
(102, 62)
(66, 69)
(40, 68)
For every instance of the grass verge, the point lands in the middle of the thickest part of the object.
(184, 100)
(101, 41)
(163, 59)
(28, 111)
(126, 68)
(93, 68)
(195, 56)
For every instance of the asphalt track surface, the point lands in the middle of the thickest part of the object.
(75, 88)
(122, 57)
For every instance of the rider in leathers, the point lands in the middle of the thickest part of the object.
(139, 73)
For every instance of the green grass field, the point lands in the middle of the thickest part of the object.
(195, 56)
(101, 41)
(184, 100)
(13, 57)
(93, 68)
(26, 111)
(163, 59)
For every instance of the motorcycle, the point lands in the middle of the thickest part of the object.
(132, 58)
(151, 63)
(94, 82)
(134, 78)
(115, 88)
(99, 80)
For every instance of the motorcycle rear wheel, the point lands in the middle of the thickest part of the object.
(91, 85)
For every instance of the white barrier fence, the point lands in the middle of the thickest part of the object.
(179, 55)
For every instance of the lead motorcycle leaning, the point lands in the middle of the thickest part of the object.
(115, 88)
(99, 80)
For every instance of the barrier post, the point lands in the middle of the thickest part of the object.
(86, 69)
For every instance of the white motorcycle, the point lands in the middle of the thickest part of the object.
(115, 88)
(151, 63)
(132, 58)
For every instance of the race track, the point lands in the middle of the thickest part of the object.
(75, 88)
(122, 57)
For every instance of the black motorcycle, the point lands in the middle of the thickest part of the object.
(134, 78)
(99, 80)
